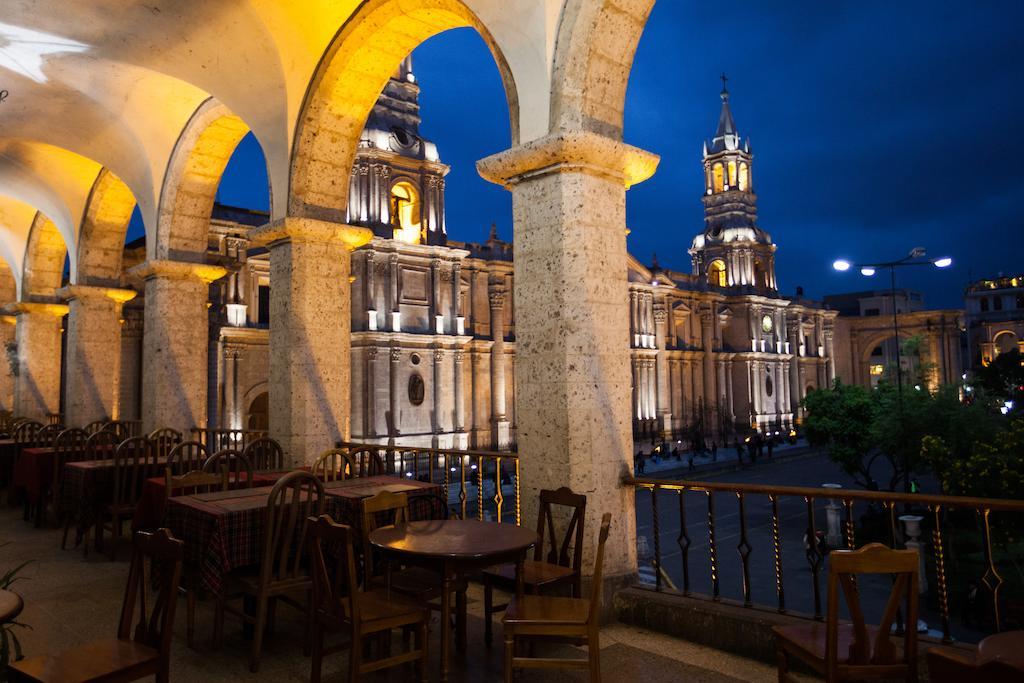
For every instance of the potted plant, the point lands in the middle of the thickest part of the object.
(9, 643)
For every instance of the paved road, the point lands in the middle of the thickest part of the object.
(793, 517)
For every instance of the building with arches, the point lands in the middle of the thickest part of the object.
(995, 318)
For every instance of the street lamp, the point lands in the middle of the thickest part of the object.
(916, 257)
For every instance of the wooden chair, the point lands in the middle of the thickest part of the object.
(558, 565)
(295, 499)
(536, 616)
(101, 445)
(334, 465)
(367, 462)
(134, 462)
(417, 583)
(118, 429)
(187, 456)
(69, 446)
(26, 432)
(236, 465)
(94, 426)
(164, 439)
(997, 659)
(856, 651)
(46, 437)
(339, 605)
(265, 454)
(143, 645)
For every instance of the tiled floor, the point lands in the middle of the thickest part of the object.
(70, 600)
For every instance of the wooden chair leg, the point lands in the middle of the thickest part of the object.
(115, 536)
(355, 654)
(488, 612)
(594, 655)
(218, 623)
(510, 644)
(310, 617)
(423, 641)
(783, 664)
(318, 654)
(257, 635)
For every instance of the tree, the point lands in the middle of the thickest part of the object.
(994, 468)
(1003, 378)
(839, 418)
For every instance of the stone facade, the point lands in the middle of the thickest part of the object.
(995, 318)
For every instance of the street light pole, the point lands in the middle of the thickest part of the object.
(914, 258)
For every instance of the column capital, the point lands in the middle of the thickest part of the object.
(89, 292)
(294, 229)
(178, 270)
(33, 308)
(569, 151)
(496, 296)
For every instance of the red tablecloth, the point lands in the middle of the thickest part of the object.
(33, 471)
(223, 531)
(149, 510)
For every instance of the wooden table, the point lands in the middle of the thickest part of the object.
(456, 547)
(223, 531)
(1007, 647)
(10, 606)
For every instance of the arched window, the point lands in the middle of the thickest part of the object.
(259, 414)
(744, 179)
(716, 273)
(717, 177)
(732, 174)
(406, 213)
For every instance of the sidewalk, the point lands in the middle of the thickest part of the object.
(670, 468)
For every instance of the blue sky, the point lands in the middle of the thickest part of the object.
(876, 127)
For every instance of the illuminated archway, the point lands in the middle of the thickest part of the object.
(718, 177)
(406, 213)
(45, 254)
(1004, 342)
(104, 226)
(716, 273)
(353, 72)
(744, 179)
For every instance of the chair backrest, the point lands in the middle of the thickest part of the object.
(238, 467)
(26, 433)
(195, 481)
(334, 465)
(333, 566)
(46, 437)
(164, 439)
(382, 509)
(597, 579)
(118, 429)
(265, 454)
(134, 462)
(366, 462)
(187, 456)
(557, 548)
(94, 426)
(873, 558)
(429, 506)
(155, 626)
(101, 445)
(69, 446)
(295, 498)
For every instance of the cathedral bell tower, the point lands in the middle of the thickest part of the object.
(732, 251)
(397, 183)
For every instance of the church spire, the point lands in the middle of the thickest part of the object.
(726, 136)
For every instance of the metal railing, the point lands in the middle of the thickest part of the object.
(937, 512)
(216, 439)
(476, 483)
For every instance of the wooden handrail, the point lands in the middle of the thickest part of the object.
(428, 449)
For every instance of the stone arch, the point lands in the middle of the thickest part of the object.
(104, 226)
(594, 53)
(190, 184)
(45, 254)
(352, 73)
(256, 399)
(1004, 341)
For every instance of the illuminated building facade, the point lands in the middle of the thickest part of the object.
(995, 318)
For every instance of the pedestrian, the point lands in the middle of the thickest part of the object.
(771, 447)
(640, 461)
(714, 451)
(739, 451)
(675, 453)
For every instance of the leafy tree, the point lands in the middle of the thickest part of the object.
(994, 468)
(838, 419)
(1003, 378)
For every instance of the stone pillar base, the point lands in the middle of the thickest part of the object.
(665, 423)
(502, 435)
(461, 441)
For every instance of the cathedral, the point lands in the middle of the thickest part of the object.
(716, 353)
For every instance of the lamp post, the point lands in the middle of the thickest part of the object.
(916, 257)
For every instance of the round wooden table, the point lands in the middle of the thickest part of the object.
(1007, 646)
(10, 606)
(455, 547)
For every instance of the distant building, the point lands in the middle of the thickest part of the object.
(995, 318)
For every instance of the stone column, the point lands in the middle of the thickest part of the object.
(793, 331)
(707, 320)
(499, 418)
(370, 380)
(396, 357)
(572, 324)
(8, 363)
(310, 332)
(435, 295)
(130, 401)
(438, 380)
(231, 416)
(830, 363)
(37, 386)
(92, 387)
(176, 343)
(661, 369)
(461, 437)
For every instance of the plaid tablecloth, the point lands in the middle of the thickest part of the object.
(89, 489)
(33, 472)
(149, 510)
(223, 531)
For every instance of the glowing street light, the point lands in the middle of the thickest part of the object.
(944, 262)
(842, 265)
(867, 271)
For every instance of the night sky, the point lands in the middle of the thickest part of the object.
(875, 126)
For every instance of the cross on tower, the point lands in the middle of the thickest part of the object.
(725, 80)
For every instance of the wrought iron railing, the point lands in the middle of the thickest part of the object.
(476, 484)
(944, 518)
